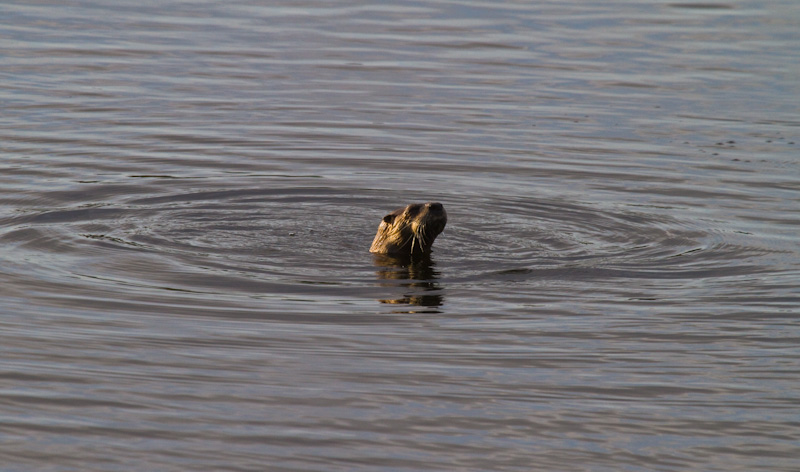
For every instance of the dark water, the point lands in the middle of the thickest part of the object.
(188, 191)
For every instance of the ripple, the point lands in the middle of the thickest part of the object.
(581, 239)
(302, 240)
(309, 239)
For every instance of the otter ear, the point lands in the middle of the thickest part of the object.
(388, 219)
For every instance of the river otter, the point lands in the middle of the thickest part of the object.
(410, 230)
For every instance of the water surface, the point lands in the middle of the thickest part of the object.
(188, 192)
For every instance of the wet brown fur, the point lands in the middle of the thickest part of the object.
(410, 230)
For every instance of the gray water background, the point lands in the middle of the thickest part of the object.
(188, 191)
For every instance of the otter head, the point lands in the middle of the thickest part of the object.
(410, 230)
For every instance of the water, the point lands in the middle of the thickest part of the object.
(188, 192)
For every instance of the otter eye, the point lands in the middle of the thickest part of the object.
(413, 209)
(388, 219)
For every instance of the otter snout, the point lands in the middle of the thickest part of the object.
(435, 207)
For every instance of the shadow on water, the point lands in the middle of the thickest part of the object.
(415, 276)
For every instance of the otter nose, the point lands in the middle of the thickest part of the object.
(435, 207)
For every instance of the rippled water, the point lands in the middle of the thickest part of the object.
(188, 191)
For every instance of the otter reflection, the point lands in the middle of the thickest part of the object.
(421, 288)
